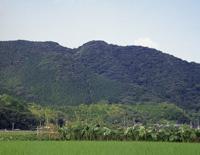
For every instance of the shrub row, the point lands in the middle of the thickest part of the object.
(171, 133)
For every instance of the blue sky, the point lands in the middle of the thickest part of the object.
(172, 26)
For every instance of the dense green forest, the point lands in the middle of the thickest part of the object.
(47, 73)
(14, 114)
(97, 85)
(99, 121)
(25, 115)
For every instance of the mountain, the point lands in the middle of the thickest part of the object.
(48, 73)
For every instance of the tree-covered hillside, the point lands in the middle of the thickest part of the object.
(17, 114)
(48, 73)
(126, 115)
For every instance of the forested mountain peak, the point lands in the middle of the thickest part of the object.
(49, 73)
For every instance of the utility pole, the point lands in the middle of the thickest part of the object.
(37, 131)
(124, 121)
(40, 123)
(13, 126)
(191, 124)
(46, 118)
(133, 121)
(57, 122)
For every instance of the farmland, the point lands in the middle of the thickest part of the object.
(97, 148)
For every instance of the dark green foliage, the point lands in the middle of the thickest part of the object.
(168, 133)
(46, 72)
(91, 132)
(125, 115)
(14, 114)
(29, 115)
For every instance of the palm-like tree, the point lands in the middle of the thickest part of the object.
(171, 133)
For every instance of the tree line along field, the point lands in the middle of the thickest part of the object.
(18, 114)
(93, 129)
(97, 148)
(86, 132)
(95, 122)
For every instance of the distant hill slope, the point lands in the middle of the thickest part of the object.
(22, 115)
(51, 74)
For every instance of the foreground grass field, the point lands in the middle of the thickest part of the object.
(96, 148)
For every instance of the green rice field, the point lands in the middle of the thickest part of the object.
(97, 148)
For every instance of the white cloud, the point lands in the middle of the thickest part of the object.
(146, 42)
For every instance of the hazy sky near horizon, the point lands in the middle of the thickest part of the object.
(172, 26)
